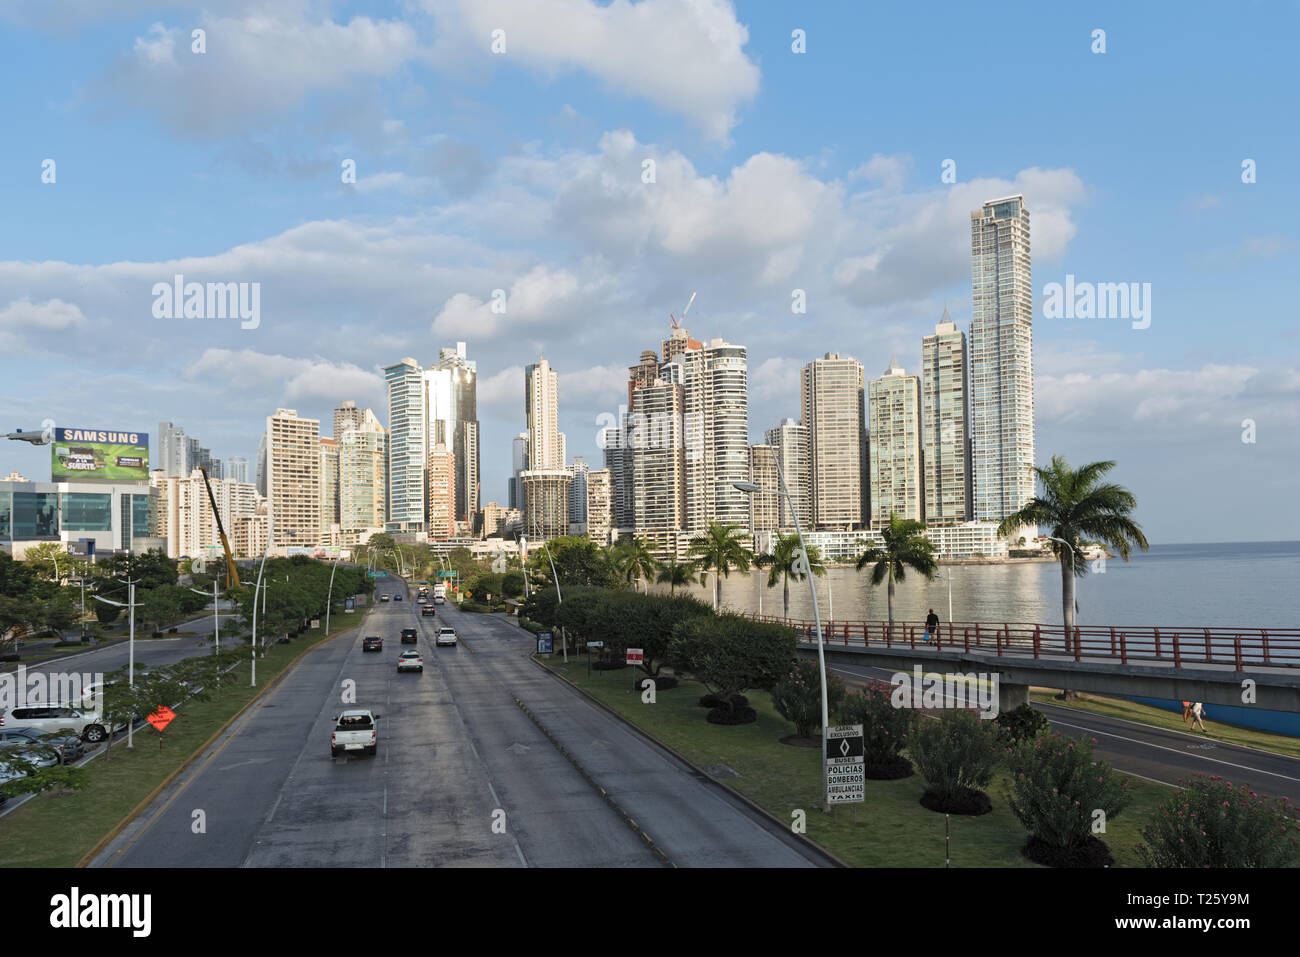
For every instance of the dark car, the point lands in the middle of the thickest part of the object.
(427, 611)
(372, 643)
(397, 598)
(408, 636)
(21, 739)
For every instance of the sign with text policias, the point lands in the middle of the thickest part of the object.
(846, 775)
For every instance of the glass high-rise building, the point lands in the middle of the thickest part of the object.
(406, 446)
(715, 412)
(944, 430)
(790, 448)
(1001, 360)
(894, 403)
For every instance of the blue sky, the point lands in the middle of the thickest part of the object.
(775, 171)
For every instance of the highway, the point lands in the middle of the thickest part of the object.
(1152, 753)
(457, 754)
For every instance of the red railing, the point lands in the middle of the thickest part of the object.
(1181, 646)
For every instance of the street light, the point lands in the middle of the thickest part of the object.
(751, 488)
(948, 578)
(559, 600)
(330, 597)
(130, 672)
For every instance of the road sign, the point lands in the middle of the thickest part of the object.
(545, 643)
(595, 644)
(446, 574)
(315, 622)
(378, 574)
(846, 779)
(161, 718)
(634, 656)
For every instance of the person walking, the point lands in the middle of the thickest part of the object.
(1198, 712)
(931, 625)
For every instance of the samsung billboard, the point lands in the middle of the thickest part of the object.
(99, 455)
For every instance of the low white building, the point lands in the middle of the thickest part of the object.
(116, 517)
(969, 540)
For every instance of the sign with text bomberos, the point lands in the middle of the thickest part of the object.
(846, 775)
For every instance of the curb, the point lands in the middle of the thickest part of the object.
(148, 799)
(802, 839)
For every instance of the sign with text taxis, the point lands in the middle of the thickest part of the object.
(846, 774)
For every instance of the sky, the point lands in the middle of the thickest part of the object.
(598, 162)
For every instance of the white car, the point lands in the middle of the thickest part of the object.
(410, 661)
(384, 597)
(446, 636)
(355, 730)
(45, 719)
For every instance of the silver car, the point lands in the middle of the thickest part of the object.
(410, 661)
(19, 742)
(446, 636)
(44, 719)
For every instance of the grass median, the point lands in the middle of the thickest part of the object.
(892, 828)
(57, 831)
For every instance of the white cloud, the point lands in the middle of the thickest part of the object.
(1160, 399)
(286, 378)
(541, 295)
(24, 323)
(685, 56)
(887, 171)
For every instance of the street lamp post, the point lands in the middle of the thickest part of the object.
(130, 660)
(948, 578)
(330, 597)
(260, 568)
(559, 600)
(750, 487)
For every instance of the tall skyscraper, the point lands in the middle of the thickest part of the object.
(329, 490)
(346, 416)
(894, 401)
(363, 478)
(656, 464)
(451, 401)
(293, 478)
(1001, 360)
(546, 502)
(406, 446)
(715, 393)
(578, 491)
(944, 387)
(237, 469)
(441, 470)
(542, 410)
(790, 446)
(641, 375)
(832, 399)
(171, 459)
(600, 506)
(261, 466)
(518, 463)
(764, 510)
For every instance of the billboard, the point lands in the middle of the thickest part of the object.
(99, 455)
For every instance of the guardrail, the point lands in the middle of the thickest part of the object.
(1166, 645)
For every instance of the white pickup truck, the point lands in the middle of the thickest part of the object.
(354, 731)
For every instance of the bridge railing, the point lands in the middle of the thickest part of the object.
(1167, 645)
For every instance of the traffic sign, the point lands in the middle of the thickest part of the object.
(846, 779)
(545, 643)
(634, 656)
(595, 644)
(161, 718)
(446, 574)
(377, 574)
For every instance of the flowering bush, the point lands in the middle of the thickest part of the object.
(957, 755)
(885, 730)
(1212, 824)
(1056, 787)
(797, 696)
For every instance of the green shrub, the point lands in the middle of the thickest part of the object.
(885, 730)
(474, 606)
(731, 653)
(797, 697)
(1020, 724)
(1212, 824)
(1056, 788)
(957, 755)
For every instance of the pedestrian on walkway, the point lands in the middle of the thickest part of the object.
(931, 625)
(1198, 712)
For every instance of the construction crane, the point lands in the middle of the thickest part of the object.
(673, 318)
(233, 581)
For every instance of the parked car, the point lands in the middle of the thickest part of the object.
(372, 643)
(355, 730)
(45, 719)
(446, 636)
(427, 611)
(410, 661)
(69, 745)
(409, 636)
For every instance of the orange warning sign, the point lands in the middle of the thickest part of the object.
(161, 718)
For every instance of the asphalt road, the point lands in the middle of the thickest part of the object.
(1154, 753)
(457, 755)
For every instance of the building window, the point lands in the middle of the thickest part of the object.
(87, 511)
(35, 515)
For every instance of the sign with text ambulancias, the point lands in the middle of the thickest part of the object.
(846, 781)
(99, 455)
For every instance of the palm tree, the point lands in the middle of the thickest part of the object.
(904, 547)
(782, 565)
(676, 574)
(633, 559)
(720, 548)
(1074, 503)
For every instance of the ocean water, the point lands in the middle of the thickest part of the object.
(1248, 584)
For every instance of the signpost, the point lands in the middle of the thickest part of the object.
(590, 645)
(846, 777)
(545, 643)
(161, 718)
(377, 574)
(634, 658)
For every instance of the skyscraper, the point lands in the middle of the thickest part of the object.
(518, 463)
(329, 490)
(1001, 360)
(363, 478)
(406, 448)
(542, 410)
(451, 398)
(832, 400)
(441, 470)
(790, 446)
(346, 416)
(600, 505)
(237, 469)
(944, 386)
(715, 393)
(293, 478)
(764, 509)
(261, 466)
(171, 458)
(578, 492)
(894, 401)
(655, 462)
(546, 502)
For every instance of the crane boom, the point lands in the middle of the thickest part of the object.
(221, 530)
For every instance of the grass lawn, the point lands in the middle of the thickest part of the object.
(1173, 721)
(892, 829)
(50, 831)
